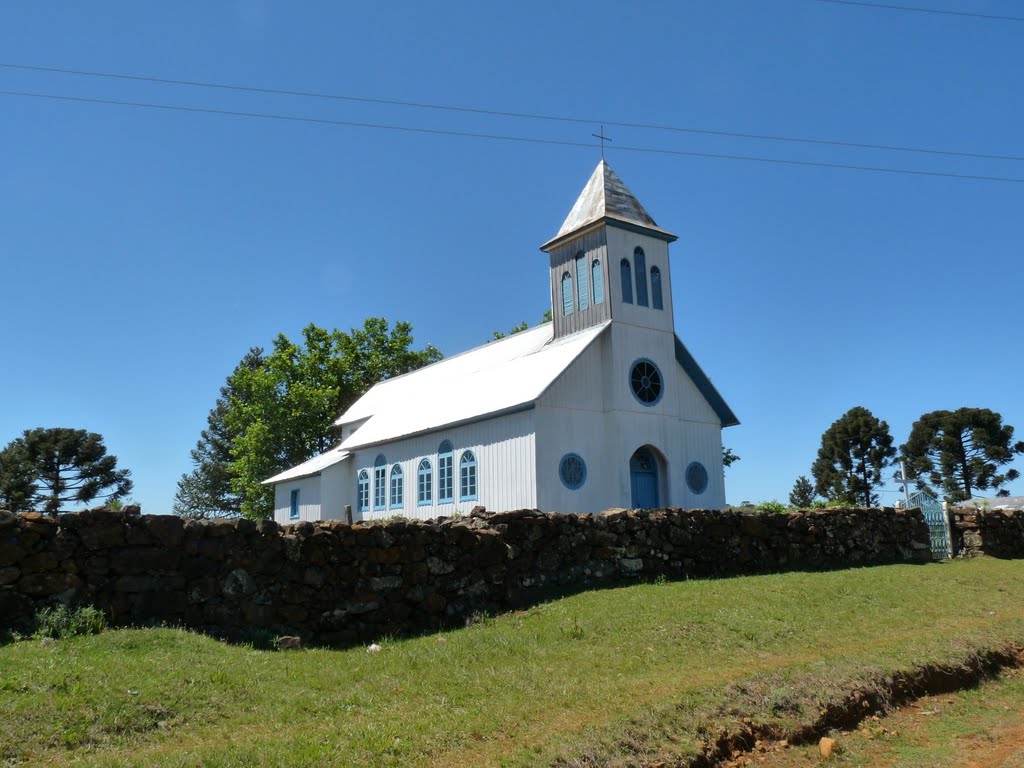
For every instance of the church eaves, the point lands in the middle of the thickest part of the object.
(606, 198)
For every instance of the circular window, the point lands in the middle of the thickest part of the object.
(697, 477)
(573, 471)
(645, 381)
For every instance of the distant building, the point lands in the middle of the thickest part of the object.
(603, 407)
(996, 502)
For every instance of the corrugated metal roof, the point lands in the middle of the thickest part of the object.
(311, 467)
(498, 377)
(606, 197)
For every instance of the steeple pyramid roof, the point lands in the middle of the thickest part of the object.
(607, 198)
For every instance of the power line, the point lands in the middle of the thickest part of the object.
(498, 137)
(505, 113)
(913, 9)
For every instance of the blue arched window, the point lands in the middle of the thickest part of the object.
(467, 477)
(656, 301)
(641, 276)
(626, 278)
(424, 483)
(566, 294)
(380, 482)
(397, 486)
(582, 283)
(363, 495)
(597, 280)
(445, 473)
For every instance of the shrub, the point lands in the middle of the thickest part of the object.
(60, 622)
(772, 506)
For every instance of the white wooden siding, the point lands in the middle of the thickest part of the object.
(506, 477)
(621, 244)
(309, 499)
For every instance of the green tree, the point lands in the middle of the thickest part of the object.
(283, 411)
(802, 495)
(65, 466)
(853, 453)
(17, 484)
(205, 491)
(728, 457)
(519, 328)
(961, 452)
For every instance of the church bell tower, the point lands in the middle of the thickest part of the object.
(609, 261)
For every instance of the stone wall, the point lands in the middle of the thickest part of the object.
(997, 532)
(334, 583)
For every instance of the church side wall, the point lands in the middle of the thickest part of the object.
(309, 499)
(335, 482)
(506, 472)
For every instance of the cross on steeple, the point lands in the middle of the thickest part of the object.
(603, 139)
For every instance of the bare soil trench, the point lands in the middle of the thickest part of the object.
(980, 727)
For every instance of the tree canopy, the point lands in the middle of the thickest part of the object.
(281, 412)
(48, 468)
(205, 491)
(961, 452)
(802, 495)
(853, 453)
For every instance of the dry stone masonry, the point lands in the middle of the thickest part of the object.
(997, 532)
(331, 582)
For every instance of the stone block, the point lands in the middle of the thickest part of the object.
(239, 584)
(42, 585)
(167, 530)
(39, 563)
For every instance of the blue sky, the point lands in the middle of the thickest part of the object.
(142, 252)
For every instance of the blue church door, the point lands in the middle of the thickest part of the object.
(643, 479)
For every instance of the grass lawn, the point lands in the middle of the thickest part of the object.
(604, 677)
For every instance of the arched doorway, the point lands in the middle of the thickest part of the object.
(643, 480)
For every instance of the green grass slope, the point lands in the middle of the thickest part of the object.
(608, 676)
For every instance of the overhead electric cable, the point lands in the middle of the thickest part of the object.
(914, 9)
(497, 137)
(505, 113)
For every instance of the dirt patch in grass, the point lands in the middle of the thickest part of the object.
(839, 709)
(981, 727)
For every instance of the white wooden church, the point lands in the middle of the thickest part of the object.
(603, 407)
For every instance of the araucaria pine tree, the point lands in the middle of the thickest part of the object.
(853, 453)
(61, 467)
(961, 452)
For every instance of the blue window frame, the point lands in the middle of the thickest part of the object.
(697, 477)
(363, 495)
(467, 477)
(293, 510)
(397, 487)
(626, 278)
(380, 482)
(597, 280)
(566, 294)
(445, 473)
(572, 471)
(582, 282)
(640, 259)
(656, 301)
(646, 382)
(424, 483)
